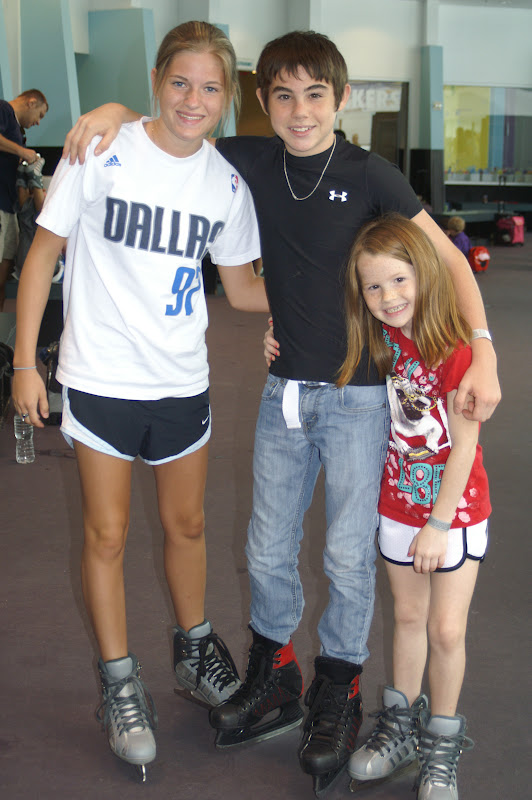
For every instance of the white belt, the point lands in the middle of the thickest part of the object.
(291, 402)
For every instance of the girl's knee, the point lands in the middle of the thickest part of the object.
(180, 528)
(411, 613)
(446, 634)
(106, 540)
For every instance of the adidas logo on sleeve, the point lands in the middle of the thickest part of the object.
(113, 162)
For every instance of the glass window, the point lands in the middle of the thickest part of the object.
(488, 134)
(375, 117)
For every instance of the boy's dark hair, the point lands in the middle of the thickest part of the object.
(312, 51)
(35, 94)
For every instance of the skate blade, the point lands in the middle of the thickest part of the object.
(188, 694)
(140, 769)
(270, 726)
(357, 786)
(322, 783)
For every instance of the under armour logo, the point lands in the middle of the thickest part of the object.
(338, 196)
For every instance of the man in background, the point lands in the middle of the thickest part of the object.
(26, 110)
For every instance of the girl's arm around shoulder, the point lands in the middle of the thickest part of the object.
(479, 392)
(429, 546)
(29, 393)
(244, 289)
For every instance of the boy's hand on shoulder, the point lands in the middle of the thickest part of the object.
(104, 121)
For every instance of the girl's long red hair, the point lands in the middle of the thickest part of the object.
(438, 325)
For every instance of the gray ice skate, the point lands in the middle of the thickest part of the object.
(441, 741)
(203, 666)
(127, 712)
(391, 750)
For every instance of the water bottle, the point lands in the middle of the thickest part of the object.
(25, 451)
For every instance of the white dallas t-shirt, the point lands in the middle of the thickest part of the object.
(138, 223)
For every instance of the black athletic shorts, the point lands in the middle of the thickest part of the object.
(155, 430)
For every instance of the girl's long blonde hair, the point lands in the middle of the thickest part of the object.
(201, 37)
(437, 325)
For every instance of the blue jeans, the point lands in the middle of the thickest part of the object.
(346, 431)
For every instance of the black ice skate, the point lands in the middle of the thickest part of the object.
(333, 722)
(267, 703)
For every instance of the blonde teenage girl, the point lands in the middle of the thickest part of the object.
(133, 358)
(434, 500)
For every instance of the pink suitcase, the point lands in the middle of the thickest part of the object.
(511, 230)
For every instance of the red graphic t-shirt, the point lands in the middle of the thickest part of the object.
(420, 441)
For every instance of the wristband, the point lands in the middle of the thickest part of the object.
(34, 367)
(481, 333)
(438, 524)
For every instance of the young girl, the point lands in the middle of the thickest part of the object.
(434, 499)
(133, 357)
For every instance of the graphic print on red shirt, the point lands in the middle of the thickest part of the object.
(420, 441)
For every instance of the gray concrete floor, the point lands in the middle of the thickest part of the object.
(50, 743)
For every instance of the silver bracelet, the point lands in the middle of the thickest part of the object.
(24, 368)
(481, 333)
(438, 524)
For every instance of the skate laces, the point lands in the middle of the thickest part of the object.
(220, 669)
(255, 672)
(129, 704)
(253, 684)
(392, 722)
(439, 757)
(327, 707)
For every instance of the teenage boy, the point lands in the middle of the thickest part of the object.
(26, 110)
(312, 192)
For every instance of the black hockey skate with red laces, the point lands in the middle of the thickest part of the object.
(333, 722)
(267, 703)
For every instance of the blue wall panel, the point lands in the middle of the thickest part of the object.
(6, 84)
(496, 139)
(121, 55)
(48, 64)
(230, 126)
(431, 98)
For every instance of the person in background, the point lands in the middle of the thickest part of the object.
(25, 111)
(457, 235)
(29, 204)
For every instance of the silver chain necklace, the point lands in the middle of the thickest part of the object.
(319, 179)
